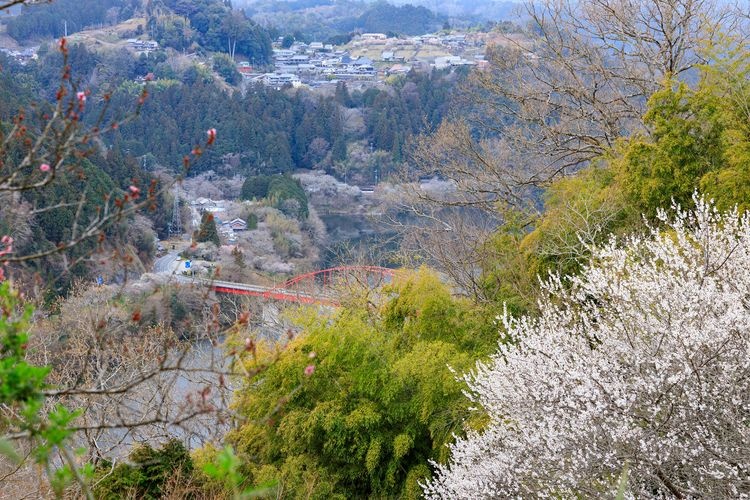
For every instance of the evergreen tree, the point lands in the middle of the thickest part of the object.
(207, 231)
(255, 187)
(342, 94)
(338, 152)
(287, 41)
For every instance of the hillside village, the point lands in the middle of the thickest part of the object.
(371, 57)
(368, 58)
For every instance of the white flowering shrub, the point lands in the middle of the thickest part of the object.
(643, 359)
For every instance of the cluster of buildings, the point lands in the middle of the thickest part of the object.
(208, 205)
(143, 46)
(227, 228)
(311, 64)
(21, 56)
(438, 50)
(368, 57)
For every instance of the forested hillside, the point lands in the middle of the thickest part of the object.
(36, 22)
(383, 17)
(317, 20)
(212, 25)
(274, 131)
(102, 174)
(566, 314)
(209, 24)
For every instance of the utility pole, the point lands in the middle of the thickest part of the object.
(176, 225)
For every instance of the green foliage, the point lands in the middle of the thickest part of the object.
(275, 132)
(227, 69)
(725, 94)
(225, 468)
(684, 144)
(255, 187)
(392, 117)
(67, 188)
(284, 192)
(578, 211)
(207, 231)
(252, 221)
(20, 382)
(34, 22)
(282, 189)
(287, 41)
(383, 17)
(212, 24)
(172, 31)
(698, 139)
(55, 226)
(506, 274)
(357, 404)
(146, 472)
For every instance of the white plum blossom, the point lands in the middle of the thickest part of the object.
(643, 359)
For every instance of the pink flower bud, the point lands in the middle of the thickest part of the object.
(45, 167)
(81, 97)
(309, 370)
(134, 190)
(211, 135)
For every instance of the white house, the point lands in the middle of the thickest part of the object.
(280, 79)
(387, 55)
(236, 224)
(373, 36)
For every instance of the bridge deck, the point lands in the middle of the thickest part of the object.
(281, 294)
(288, 292)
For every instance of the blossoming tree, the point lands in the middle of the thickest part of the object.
(643, 361)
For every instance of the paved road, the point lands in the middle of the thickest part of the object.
(166, 263)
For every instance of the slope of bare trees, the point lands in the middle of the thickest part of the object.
(549, 104)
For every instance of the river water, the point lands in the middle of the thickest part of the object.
(357, 238)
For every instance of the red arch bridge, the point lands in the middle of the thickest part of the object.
(318, 287)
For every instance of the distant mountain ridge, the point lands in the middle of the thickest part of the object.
(406, 19)
(480, 10)
(485, 10)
